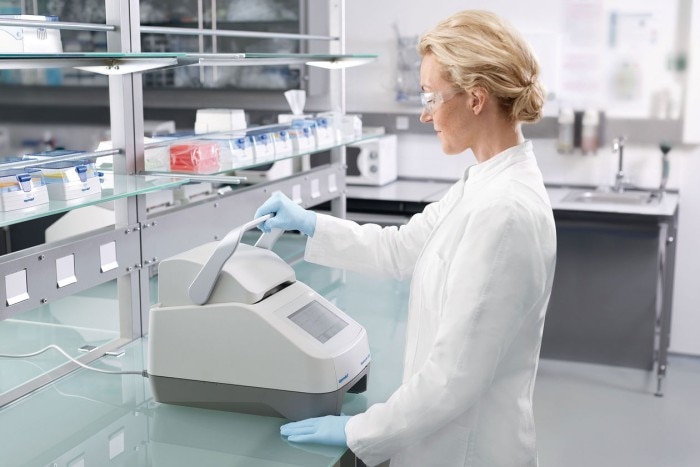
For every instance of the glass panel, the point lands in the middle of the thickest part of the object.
(268, 16)
(88, 55)
(86, 318)
(225, 141)
(121, 186)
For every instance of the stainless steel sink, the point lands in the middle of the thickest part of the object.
(612, 197)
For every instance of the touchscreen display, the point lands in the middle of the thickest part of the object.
(318, 321)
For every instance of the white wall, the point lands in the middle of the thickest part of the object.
(371, 28)
(371, 89)
(691, 131)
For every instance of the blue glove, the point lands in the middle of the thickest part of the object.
(288, 215)
(328, 430)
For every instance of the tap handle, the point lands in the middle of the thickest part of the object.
(665, 147)
(618, 143)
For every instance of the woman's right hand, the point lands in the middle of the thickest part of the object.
(287, 215)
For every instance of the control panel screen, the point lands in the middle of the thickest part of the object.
(318, 321)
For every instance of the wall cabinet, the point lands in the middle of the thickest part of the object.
(612, 294)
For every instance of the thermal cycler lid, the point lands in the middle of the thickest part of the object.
(247, 278)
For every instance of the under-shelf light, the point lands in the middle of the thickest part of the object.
(339, 63)
(126, 66)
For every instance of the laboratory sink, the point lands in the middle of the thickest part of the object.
(612, 197)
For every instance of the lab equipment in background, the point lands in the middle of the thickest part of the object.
(49, 141)
(296, 98)
(565, 135)
(234, 151)
(302, 137)
(372, 162)
(196, 157)
(589, 132)
(283, 143)
(280, 142)
(263, 146)
(325, 134)
(153, 128)
(344, 127)
(408, 68)
(22, 188)
(242, 334)
(30, 40)
(156, 158)
(159, 200)
(265, 173)
(4, 139)
(48, 155)
(66, 180)
(190, 192)
(219, 120)
(350, 127)
(256, 11)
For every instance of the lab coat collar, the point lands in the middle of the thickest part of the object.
(500, 161)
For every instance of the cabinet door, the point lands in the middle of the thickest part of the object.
(260, 17)
(603, 304)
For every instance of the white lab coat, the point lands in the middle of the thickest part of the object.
(481, 262)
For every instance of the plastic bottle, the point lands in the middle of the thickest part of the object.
(589, 132)
(565, 140)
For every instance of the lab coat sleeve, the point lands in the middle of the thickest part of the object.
(498, 275)
(371, 249)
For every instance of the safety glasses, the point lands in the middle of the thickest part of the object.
(431, 101)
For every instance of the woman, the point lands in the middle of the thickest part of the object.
(481, 263)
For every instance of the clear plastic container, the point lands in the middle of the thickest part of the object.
(198, 157)
(589, 131)
(565, 136)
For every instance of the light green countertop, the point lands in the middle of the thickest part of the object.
(92, 419)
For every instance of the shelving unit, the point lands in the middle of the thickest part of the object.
(126, 252)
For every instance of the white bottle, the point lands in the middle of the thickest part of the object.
(565, 139)
(589, 132)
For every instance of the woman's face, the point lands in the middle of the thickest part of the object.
(451, 116)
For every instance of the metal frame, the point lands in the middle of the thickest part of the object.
(138, 239)
(212, 219)
(40, 265)
(126, 121)
(664, 299)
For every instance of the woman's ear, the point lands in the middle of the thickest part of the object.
(477, 99)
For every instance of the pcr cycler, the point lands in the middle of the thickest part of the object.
(244, 335)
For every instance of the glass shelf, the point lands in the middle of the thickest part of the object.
(122, 63)
(211, 137)
(124, 186)
(70, 155)
(185, 31)
(97, 62)
(69, 26)
(248, 59)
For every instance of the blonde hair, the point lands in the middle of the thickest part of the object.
(479, 49)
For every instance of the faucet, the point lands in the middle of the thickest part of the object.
(665, 167)
(619, 146)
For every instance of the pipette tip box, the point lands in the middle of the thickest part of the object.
(66, 180)
(22, 188)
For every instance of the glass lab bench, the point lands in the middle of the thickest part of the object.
(92, 419)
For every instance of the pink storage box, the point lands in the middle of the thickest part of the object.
(199, 157)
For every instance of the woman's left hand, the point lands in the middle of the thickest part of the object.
(328, 430)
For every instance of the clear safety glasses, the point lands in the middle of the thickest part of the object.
(431, 101)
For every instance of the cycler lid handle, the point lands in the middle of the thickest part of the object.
(203, 284)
